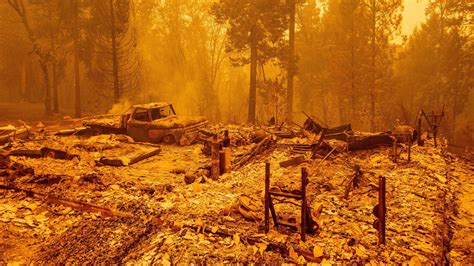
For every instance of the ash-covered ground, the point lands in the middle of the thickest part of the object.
(166, 209)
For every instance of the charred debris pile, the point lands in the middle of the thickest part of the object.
(266, 194)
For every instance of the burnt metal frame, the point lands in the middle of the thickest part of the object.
(269, 207)
(433, 120)
(395, 142)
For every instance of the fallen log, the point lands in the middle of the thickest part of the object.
(370, 142)
(339, 129)
(26, 153)
(72, 131)
(144, 156)
(45, 152)
(119, 161)
(342, 136)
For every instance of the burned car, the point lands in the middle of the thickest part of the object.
(152, 122)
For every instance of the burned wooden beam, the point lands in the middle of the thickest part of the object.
(144, 156)
(45, 152)
(26, 153)
(120, 161)
(339, 129)
(342, 136)
(72, 131)
(370, 142)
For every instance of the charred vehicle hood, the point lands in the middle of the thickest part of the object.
(178, 121)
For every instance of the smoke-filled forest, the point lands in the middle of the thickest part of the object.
(233, 61)
(166, 131)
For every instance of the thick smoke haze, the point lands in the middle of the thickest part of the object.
(87, 57)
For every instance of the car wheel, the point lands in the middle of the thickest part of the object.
(168, 139)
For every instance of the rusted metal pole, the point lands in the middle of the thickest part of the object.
(304, 177)
(382, 209)
(267, 198)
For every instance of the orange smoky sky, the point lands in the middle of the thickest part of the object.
(413, 15)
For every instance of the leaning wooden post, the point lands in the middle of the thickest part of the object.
(267, 198)
(227, 164)
(304, 208)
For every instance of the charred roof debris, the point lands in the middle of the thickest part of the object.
(149, 186)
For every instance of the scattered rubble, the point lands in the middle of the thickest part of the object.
(66, 201)
(10, 132)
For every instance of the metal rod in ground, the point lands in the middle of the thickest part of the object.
(382, 210)
(304, 176)
(267, 198)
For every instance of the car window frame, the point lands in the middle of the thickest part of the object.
(139, 109)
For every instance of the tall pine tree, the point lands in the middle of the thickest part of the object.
(255, 26)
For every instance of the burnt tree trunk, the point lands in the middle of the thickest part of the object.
(291, 63)
(114, 53)
(19, 7)
(54, 78)
(253, 75)
(353, 75)
(47, 87)
(77, 82)
(373, 79)
(55, 89)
